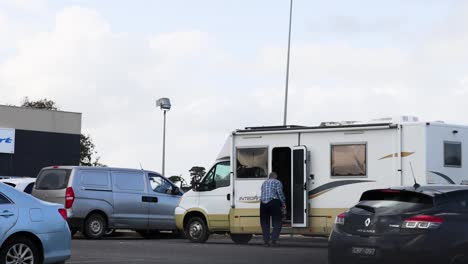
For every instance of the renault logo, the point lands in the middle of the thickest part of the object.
(367, 222)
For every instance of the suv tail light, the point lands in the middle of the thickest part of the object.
(340, 219)
(63, 213)
(423, 222)
(69, 197)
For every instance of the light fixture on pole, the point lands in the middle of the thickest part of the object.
(165, 105)
(287, 66)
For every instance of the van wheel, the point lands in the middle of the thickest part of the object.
(20, 250)
(95, 226)
(241, 238)
(196, 230)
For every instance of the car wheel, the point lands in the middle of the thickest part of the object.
(241, 238)
(196, 230)
(95, 226)
(20, 250)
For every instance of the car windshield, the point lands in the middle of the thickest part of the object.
(394, 201)
(53, 179)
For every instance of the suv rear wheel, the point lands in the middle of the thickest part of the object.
(196, 230)
(95, 226)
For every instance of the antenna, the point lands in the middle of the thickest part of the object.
(416, 185)
(141, 166)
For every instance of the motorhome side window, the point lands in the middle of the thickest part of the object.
(348, 160)
(219, 176)
(252, 163)
(452, 154)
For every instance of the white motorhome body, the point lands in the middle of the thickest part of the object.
(324, 170)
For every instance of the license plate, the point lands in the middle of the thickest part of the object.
(363, 251)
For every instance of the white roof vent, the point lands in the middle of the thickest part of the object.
(396, 119)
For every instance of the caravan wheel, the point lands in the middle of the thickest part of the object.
(196, 230)
(241, 238)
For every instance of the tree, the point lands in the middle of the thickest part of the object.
(196, 174)
(39, 104)
(86, 143)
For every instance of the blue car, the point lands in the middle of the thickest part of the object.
(32, 231)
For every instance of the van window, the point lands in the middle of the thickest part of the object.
(53, 179)
(29, 188)
(348, 160)
(252, 163)
(219, 176)
(95, 179)
(159, 184)
(452, 154)
(129, 181)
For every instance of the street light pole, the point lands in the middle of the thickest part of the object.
(164, 146)
(287, 67)
(165, 105)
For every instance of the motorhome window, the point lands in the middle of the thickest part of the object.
(453, 154)
(348, 160)
(252, 163)
(219, 176)
(159, 184)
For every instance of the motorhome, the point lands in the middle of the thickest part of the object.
(324, 169)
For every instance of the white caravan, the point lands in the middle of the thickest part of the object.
(324, 170)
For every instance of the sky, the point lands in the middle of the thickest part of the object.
(222, 63)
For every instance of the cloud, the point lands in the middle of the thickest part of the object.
(114, 78)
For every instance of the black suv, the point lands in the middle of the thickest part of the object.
(420, 224)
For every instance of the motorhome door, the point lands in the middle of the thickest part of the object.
(299, 208)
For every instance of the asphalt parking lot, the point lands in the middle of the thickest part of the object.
(128, 247)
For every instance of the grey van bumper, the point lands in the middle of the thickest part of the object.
(75, 223)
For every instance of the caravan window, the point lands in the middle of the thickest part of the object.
(452, 154)
(348, 160)
(252, 163)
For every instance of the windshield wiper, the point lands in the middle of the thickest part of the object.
(366, 207)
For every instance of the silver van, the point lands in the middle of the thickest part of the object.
(101, 198)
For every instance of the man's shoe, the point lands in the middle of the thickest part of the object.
(266, 244)
(274, 244)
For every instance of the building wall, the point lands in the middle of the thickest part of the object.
(42, 138)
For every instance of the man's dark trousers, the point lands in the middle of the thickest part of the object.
(271, 209)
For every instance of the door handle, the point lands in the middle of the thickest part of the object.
(228, 197)
(149, 199)
(6, 213)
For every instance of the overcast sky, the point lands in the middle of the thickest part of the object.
(222, 64)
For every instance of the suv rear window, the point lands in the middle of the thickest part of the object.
(54, 179)
(394, 201)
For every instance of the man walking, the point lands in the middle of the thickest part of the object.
(272, 198)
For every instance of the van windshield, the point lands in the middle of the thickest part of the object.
(53, 179)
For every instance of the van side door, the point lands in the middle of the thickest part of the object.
(130, 206)
(165, 198)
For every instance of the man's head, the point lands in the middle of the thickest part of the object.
(273, 175)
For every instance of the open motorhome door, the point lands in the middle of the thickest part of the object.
(299, 208)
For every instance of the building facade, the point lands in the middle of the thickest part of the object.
(31, 139)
